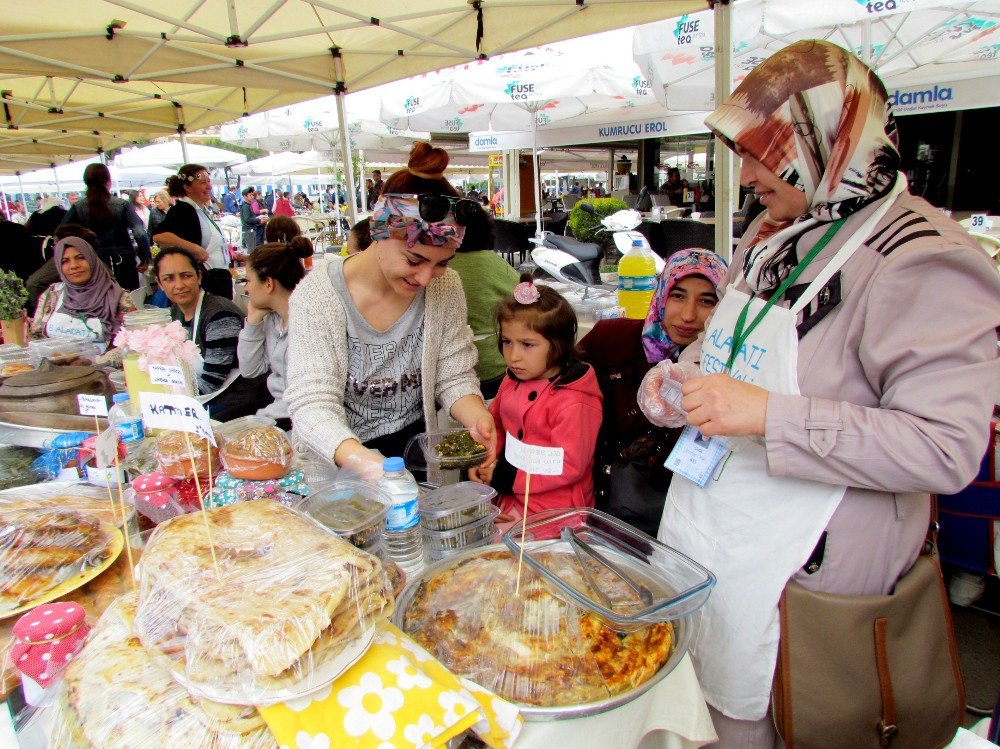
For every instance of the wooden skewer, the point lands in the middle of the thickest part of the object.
(121, 501)
(201, 501)
(114, 508)
(524, 522)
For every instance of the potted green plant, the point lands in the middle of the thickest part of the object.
(585, 225)
(13, 296)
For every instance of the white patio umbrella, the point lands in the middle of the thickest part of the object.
(170, 155)
(931, 42)
(70, 177)
(522, 91)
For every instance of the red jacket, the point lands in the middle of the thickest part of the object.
(565, 412)
(283, 207)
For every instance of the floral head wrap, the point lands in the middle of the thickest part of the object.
(399, 218)
(820, 119)
(695, 262)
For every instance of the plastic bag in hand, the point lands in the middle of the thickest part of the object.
(363, 466)
(661, 409)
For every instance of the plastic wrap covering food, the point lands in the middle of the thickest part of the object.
(155, 496)
(455, 505)
(354, 510)
(280, 610)
(48, 543)
(659, 395)
(63, 350)
(257, 454)
(141, 458)
(116, 696)
(16, 466)
(174, 451)
(529, 647)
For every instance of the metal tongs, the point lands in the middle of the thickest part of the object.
(569, 535)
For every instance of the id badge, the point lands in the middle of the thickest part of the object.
(695, 457)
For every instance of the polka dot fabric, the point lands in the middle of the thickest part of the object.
(47, 638)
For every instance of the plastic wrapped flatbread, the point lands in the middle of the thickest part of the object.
(115, 696)
(531, 647)
(283, 607)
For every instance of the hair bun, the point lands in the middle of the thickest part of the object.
(301, 246)
(427, 161)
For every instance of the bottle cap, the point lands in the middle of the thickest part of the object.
(393, 464)
(637, 243)
(119, 397)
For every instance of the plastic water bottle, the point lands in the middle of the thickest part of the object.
(124, 416)
(403, 539)
(636, 280)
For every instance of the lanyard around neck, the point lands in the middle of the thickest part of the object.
(741, 333)
(197, 318)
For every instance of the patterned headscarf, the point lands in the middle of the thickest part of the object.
(399, 218)
(695, 262)
(99, 297)
(820, 119)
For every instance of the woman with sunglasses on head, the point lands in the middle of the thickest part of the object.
(189, 225)
(853, 359)
(378, 340)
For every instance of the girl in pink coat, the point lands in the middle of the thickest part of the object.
(548, 398)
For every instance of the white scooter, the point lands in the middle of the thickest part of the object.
(570, 260)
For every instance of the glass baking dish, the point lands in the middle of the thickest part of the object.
(443, 449)
(658, 583)
(455, 505)
(353, 510)
(460, 538)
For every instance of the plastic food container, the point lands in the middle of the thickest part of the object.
(260, 453)
(62, 350)
(174, 452)
(14, 359)
(455, 505)
(671, 585)
(438, 544)
(353, 510)
(443, 449)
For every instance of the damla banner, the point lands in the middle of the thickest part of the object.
(974, 93)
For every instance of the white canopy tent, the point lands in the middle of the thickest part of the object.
(70, 177)
(171, 155)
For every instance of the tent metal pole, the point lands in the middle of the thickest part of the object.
(724, 156)
(345, 151)
(24, 198)
(536, 187)
(184, 148)
(55, 176)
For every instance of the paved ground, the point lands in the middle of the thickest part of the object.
(977, 631)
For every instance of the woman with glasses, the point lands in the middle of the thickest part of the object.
(189, 225)
(379, 340)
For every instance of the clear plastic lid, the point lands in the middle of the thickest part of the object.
(455, 505)
(463, 536)
(354, 510)
(444, 449)
(652, 581)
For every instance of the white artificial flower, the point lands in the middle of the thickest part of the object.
(370, 706)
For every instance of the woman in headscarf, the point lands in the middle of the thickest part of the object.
(630, 481)
(867, 385)
(87, 303)
(116, 225)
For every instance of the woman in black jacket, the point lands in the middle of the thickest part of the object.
(111, 219)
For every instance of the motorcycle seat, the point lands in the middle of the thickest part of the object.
(574, 247)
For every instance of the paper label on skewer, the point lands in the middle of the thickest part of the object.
(165, 374)
(541, 461)
(92, 405)
(179, 412)
(980, 222)
(106, 448)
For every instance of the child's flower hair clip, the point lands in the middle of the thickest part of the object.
(526, 293)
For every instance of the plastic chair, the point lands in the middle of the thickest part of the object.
(511, 238)
(967, 518)
(674, 234)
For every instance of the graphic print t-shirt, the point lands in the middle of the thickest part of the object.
(383, 367)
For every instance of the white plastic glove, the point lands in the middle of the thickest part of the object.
(362, 466)
(657, 396)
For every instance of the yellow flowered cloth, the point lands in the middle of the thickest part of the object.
(396, 695)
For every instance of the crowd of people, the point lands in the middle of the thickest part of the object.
(818, 354)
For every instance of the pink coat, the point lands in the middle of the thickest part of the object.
(562, 412)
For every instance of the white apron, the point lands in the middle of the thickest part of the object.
(233, 373)
(751, 529)
(77, 326)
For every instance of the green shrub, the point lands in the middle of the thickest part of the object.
(13, 296)
(584, 225)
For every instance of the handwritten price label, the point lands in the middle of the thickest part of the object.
(178, 412)
(981, 222)
(92, 405)
(534, 459)
(164, 374)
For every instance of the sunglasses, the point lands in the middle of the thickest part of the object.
(434, 208)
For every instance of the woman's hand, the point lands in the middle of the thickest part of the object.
(721, 405)
(471, 412)
(255, 316)
(651, 402)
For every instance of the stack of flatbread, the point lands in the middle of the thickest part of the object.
(283, 598)
(116, 697)
(38, 550)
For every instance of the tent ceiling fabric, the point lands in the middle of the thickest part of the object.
(285, 46)
(55, 142)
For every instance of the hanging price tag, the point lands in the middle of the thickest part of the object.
(178, 412)
(92, 405)
(533, 459)
(164, 374)
(980, 222)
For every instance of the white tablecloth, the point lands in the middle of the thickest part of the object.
(671, 715)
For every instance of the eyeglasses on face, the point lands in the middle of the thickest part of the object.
(434, 208)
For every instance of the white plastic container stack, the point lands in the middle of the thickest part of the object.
(457, 517)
